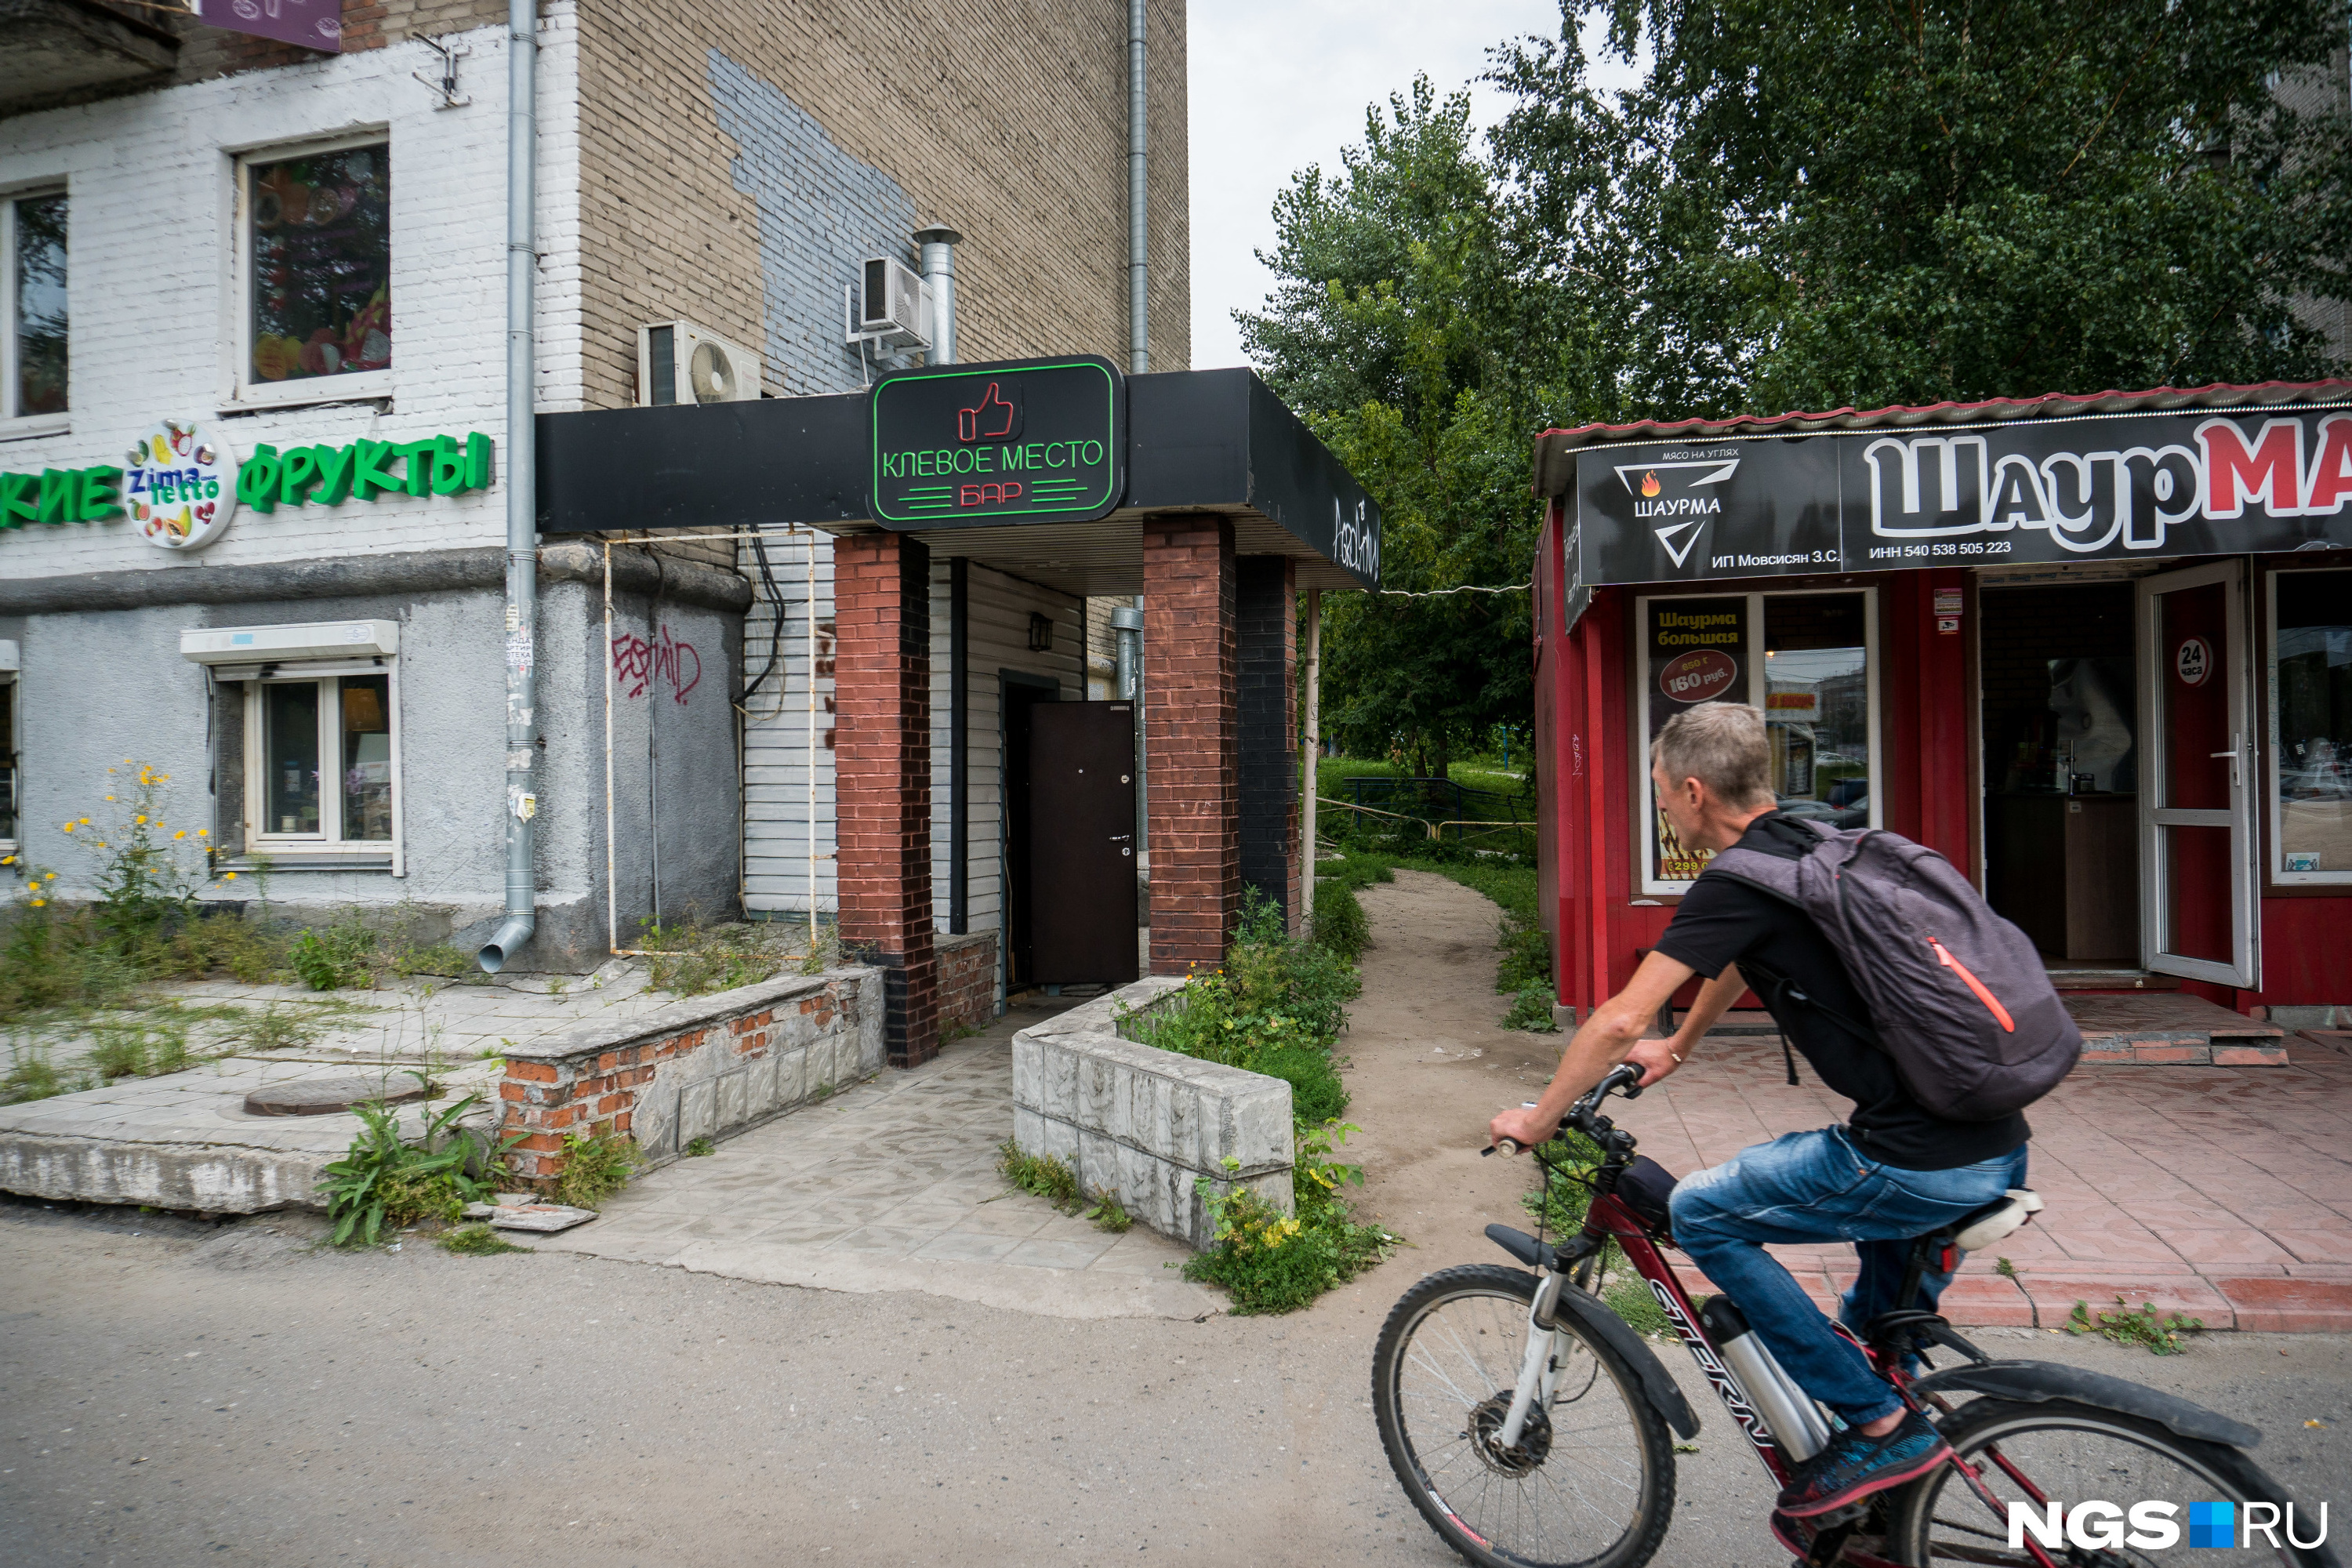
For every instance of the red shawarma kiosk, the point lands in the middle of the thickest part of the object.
(2096, 650)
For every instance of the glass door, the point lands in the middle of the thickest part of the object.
(2197, 915)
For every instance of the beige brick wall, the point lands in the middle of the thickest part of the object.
(1007, 121)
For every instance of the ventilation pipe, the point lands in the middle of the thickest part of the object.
(1139, 262)
(522, 492)
(938, 243)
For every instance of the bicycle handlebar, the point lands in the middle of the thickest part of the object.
(1624, 1076)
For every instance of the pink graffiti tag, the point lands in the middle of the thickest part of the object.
(638, 664)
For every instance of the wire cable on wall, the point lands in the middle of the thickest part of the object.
(1441, 592)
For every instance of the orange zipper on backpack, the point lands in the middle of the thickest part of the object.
(1944, 956)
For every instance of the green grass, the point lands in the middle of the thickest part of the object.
(476, 1241)
(594, 1167)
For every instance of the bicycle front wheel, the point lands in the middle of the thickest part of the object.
(1590, 1484)
(2061, 1452)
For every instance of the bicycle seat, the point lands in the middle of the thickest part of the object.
(1979, 1228)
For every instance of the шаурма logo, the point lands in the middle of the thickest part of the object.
(2095, 1526)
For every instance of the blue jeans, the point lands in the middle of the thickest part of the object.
(1814, 1187)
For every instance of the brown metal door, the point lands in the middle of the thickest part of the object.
(1082, 843)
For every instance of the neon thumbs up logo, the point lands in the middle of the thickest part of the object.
(993, 420)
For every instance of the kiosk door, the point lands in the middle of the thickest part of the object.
(2197, 913)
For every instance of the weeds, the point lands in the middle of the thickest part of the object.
(441, 958)
(691, 959)
(139, 1048)
(1042, 1175)
(696, 1147)
(384, 1181)
(2140, 1325)
(1108, 1213)
(336, 958)
(476, 1240)
(1277, 1262)
(1531, 1008)
(594, 1167)
(31, 1075)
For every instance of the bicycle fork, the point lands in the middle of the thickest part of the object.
(1538, 1368)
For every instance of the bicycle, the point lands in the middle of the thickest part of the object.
(1529, 1424)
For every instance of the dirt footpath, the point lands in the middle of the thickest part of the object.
(1429, 1063)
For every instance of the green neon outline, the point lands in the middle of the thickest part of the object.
(1110, 408)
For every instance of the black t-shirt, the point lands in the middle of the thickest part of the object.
(1724, 921)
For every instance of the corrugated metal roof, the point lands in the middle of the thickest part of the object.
(1555, 467)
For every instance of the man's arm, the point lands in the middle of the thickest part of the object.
(1715, 998)
(1598, 1044)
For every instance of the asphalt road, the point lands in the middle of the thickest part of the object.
(174, 1393)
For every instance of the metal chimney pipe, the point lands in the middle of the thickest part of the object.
(1138, 249)
(938, 243)
(522, 491)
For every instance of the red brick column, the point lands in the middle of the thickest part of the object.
(882, 761)
(1190, 687)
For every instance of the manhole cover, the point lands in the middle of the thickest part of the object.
(325, 1095)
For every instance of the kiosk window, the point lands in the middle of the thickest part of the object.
(1806, 660)
(2311, 727)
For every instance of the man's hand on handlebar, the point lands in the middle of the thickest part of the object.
(1532, 1124)
(1526, 1126)
(1656, 1059)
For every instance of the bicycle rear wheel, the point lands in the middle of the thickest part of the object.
(2070, 1454)
(1591, 1482)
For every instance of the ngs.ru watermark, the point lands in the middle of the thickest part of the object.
(2095, 1526)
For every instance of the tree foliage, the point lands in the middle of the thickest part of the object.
(1801, 203)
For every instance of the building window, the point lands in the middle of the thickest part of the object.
(32, 306)
(1809, 660)
(320, 764)
(2311, 727)
(8, 790)
(317, 258)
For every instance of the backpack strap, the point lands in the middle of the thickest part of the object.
(1781, 988)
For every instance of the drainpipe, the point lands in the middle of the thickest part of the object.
(522, 492)
(1138, 261)
(938, 243)
(1126, 623)
(1314, 728)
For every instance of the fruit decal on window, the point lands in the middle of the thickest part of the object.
(321, 264)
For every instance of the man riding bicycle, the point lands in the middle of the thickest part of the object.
(1892, 1173)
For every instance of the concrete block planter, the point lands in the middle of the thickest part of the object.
(1145, 1123)
(703, 1068)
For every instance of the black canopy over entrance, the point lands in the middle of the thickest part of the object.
(1214, 442)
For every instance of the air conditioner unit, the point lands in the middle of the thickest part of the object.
(678, 362)
(890, 306)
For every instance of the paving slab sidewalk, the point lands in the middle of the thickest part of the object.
(2222, 1193)
(892, 1185)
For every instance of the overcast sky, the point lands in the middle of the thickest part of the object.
(1279, 84)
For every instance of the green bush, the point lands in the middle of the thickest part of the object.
(1340, 925)
(594, 1167)
(1531, 1009)
(1274, 1262)
(692, 959)
(335, 958)
(1317, 1094)
(383, 1181)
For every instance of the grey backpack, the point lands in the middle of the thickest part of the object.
(1958, 997)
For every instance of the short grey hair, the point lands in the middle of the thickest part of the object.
(1722, 745)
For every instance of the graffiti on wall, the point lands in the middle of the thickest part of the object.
(639, 666)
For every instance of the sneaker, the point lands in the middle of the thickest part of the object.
(1854, 1466)
(1791, 1534)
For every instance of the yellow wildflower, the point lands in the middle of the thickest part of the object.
(142, 819)
(71, 825)
(51, 878)
(181, 834)
(204, 833)
(40, 903)
(7, 859)
(228, 876)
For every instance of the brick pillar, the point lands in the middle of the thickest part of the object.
(1189, 686)
(1266, 635)
(882, 761)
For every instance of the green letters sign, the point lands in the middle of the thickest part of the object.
(964, 446)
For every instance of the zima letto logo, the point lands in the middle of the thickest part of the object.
(1679, 492)
(2091, 1525)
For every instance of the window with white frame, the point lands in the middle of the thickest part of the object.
(1808, 658)
(315, 258)
(33, 318)
(321, 755)
(2311, 727)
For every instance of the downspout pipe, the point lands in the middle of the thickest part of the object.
(514, 931)
(938, 243)
(1139, 250)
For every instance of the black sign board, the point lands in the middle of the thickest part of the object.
(967, 446)
(2089, 489)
